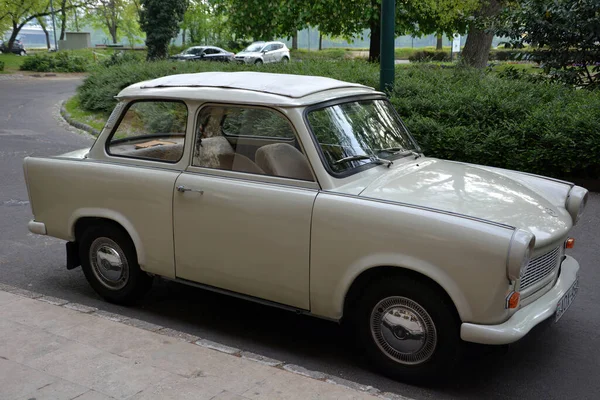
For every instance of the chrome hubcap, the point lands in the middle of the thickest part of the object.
(403, 330)
(109, 263)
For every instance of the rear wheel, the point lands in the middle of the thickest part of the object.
(407, 329)
(109, 262)
(285, 60)
(22, 53)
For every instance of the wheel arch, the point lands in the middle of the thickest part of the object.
(434, 277)
(84, 218)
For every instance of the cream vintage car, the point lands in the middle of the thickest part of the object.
(309, 194)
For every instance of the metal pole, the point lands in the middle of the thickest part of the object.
(388, 20)
(53, 25)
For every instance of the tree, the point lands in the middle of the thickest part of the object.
(417, 17)
(204, 24)
(443, 18)
(481, 33)
(260, 19)
(160, 20)
(42, 23)
(19, 13)
(566, 34)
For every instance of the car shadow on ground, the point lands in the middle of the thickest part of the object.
(322, 345)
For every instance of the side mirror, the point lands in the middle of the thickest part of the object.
(202, 55)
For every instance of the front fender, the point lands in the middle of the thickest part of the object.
(402, 262)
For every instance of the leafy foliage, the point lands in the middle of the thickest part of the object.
(121, 57)
(454, 113)
(428, 56)
(567, 34)
(62, 61)
(160, 20)
(205, 26)
(467, 115)
(1, 65)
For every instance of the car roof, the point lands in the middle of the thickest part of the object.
(247, 87)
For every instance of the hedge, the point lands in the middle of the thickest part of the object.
(62, 61)
(454, 113)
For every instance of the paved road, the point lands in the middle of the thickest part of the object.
(558, 362)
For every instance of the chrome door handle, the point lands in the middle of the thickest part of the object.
(184, 189)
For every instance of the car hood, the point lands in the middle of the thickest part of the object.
(249, 54)
(474, 191)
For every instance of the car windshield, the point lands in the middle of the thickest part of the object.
(254, 47)
(194, 50)
(360, 132)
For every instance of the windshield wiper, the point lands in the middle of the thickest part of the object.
(400, 151)
(364, 157)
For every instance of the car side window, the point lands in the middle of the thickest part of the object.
(153, 130)
(211, 51)
(268, 48)
(250, 140)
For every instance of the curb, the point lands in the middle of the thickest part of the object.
(79, 125)
(186, 337)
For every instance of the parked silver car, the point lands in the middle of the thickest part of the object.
(264, 52)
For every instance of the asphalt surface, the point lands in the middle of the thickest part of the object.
(556, 361)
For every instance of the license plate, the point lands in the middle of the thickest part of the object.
(565, 302)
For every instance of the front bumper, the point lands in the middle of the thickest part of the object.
(37, 227)
(526, 318)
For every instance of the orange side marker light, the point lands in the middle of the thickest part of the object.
(570, 243)
(512, 301)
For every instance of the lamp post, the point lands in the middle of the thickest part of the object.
(53, 25)
(388, 20)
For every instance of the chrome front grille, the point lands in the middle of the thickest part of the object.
(539, 268)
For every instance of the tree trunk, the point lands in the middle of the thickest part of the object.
(375, 26)
(76, 22)
(113, 33)
(479, 40)
(63, 20)
(320, 41)
(183, 37)
(43, 25)
(13, 35)
(295, 41)
(439, 45)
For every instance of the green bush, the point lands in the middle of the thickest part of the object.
(471, 116)
(454, 113)
(122, 57)
(428, 56)
(326, 54)
(62, 61)
(1, 66)
(511, 55)
(99, 88)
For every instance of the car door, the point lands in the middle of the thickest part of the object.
(239, 226)
(210, 54)
(277, 53)
(269, 54)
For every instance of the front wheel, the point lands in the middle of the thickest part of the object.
(258, 62)
(22, 53)
(109, 262)
(407, 329)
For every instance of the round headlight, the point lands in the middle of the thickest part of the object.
(576, 201)
(519, 253)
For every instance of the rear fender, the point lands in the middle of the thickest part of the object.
(113, 216)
